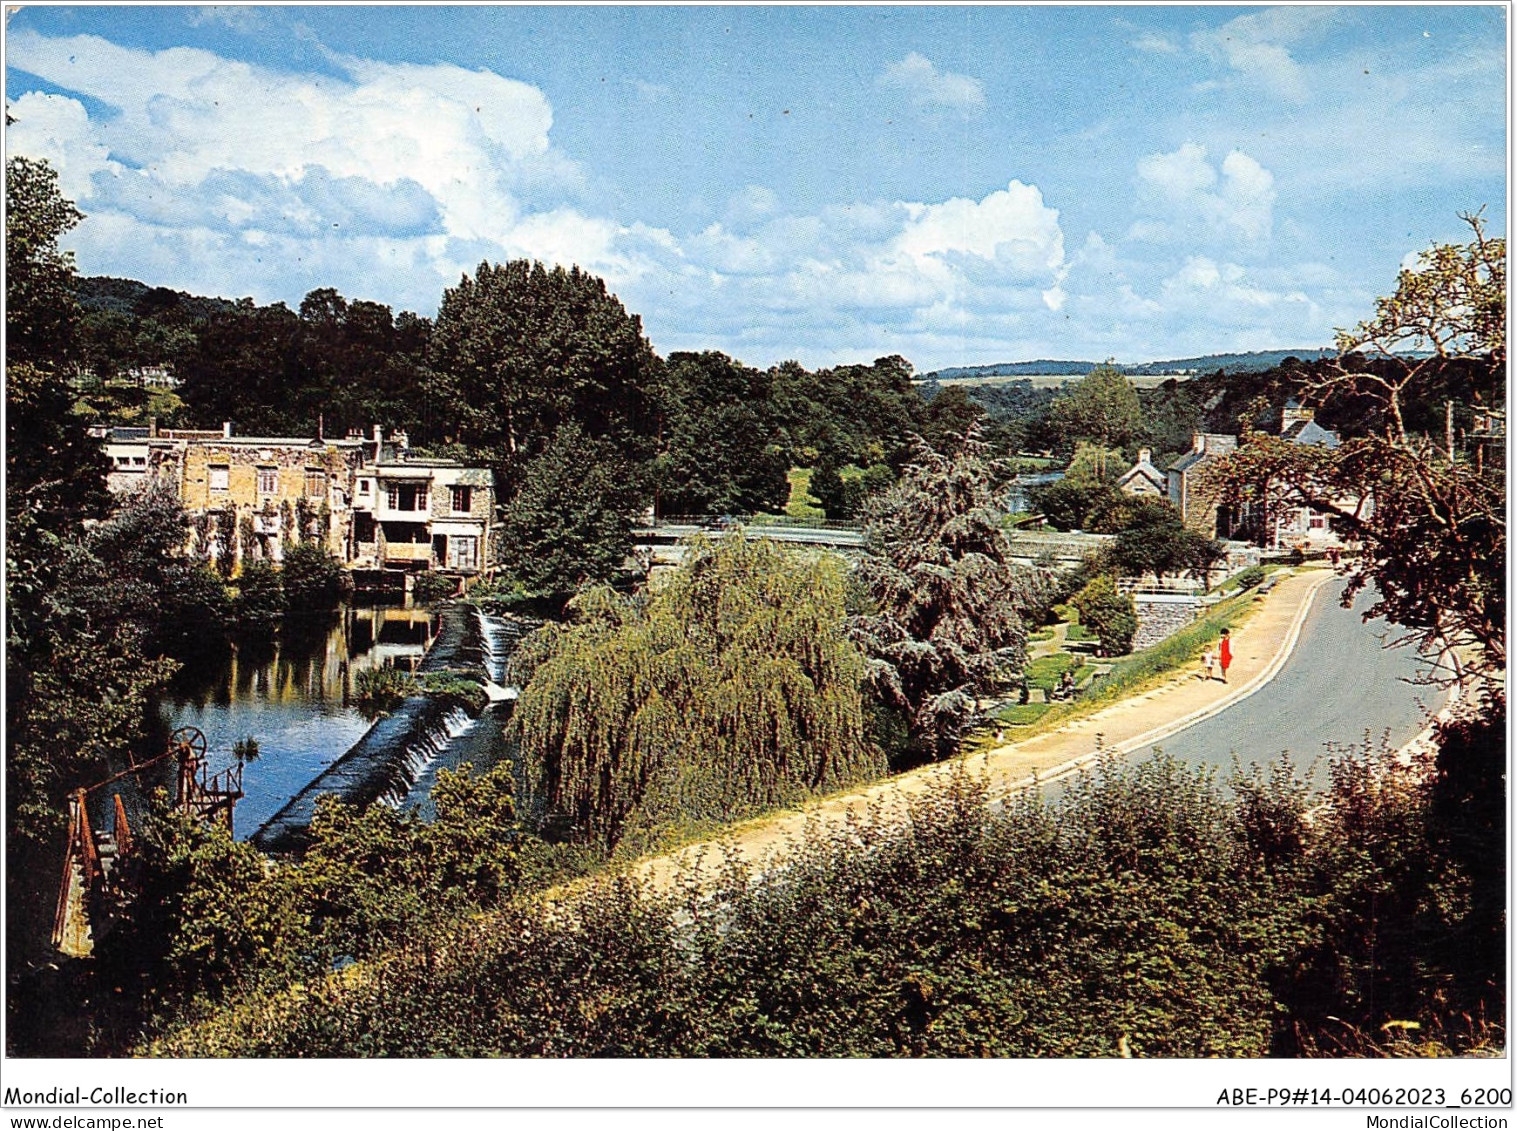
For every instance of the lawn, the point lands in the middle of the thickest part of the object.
(801, 504)
(1044, 672)
(1022, 714)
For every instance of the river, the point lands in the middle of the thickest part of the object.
(294, 697)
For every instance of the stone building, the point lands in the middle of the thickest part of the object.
(423, 513)
(1143, 478)
(366, 499)
(1197, 500)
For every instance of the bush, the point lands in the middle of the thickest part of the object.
(1109, 614)
(457, 689)
(430, 587)
(259, 603)
(1134, 916)
(1252, 576)
(314, 580)
(382, 689)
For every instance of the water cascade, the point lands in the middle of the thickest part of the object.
(397, 760)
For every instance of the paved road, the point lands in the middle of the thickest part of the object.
(1338, 684)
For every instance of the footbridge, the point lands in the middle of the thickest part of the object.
(662, 543)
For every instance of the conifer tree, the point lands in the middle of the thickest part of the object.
(949, 601)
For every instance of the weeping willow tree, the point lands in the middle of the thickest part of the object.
(949, 603)
(732, 687)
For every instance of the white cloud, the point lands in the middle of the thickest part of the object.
(389, 181)
(1184, 196)
(928, 86)
(1256, 46)
(203, 151)
(1156, 44)
(49, 127)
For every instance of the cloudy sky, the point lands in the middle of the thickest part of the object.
(958, 185)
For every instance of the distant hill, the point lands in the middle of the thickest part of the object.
(1254, 361)
(129, 297)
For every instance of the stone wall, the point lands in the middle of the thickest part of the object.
(1160, 616)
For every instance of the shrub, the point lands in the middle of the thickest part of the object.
(382, 689)
(1109, 614)
(1250, 577)
(259, 603)
(430, 587)
(313, 578)
(455, 688)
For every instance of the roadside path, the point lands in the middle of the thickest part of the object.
(1261, 646)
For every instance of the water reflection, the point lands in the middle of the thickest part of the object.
(294, 695)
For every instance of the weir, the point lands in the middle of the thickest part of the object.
(397, 759)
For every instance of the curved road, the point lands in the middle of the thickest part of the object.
(1339, 683)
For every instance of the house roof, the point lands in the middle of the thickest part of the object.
(1310, 432)
(1147, 470)
(1187, 461)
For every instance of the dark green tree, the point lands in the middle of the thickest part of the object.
(524, 349)
(1153, 539)
(722, 439)
(840, 498)
(313, 578)
(40, 308)
(948, 418)
(947, 624)
(259, 604)
(571, 521)
(1107, 613)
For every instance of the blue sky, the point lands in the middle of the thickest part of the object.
(960, 185)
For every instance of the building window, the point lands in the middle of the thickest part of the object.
(268, 480)
(316, 483)
(408, 496)
(463, 551)
(219, 474)
(139, 461)
(363, 486)
(1318, 522)
(463, 500)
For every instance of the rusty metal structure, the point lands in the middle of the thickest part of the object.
(92, 885)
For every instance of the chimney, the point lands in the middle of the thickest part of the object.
(321, 429)
(402, 441)
(1145, 455)
(1198, 445)
(379, 435)
(152, 428)
(226, 429)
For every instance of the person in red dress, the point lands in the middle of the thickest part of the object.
(1224, 654)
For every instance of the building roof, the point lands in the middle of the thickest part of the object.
(1310, 432)
(1147, 470)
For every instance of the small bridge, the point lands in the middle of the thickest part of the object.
(662, 541)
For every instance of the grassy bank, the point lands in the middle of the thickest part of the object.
(1130, 676)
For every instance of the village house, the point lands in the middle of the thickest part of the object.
(1197, 500)
(413, 512)
(1143, 478)
(1286, 522)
